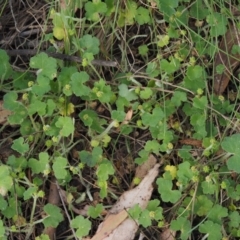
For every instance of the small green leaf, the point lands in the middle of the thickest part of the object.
(94, 9)
(10, 101)
(213, 230)
(145, 219)
(82, 225)
(95, 212)
(218, 23)
(142, 16)
(5, 66)
(42, 85)
(182, 224)
(59, 166)
(29, 193)
(37, 107)
(203, 205)
(178, 97)
(47, 65)
(104, 170)
(39, 166)
(234, 219)
(54, 216)
(231, 144)
(169, 67)
(217, 213)
(195, 78)
(126, 93)
(200, 102)
(152, 69)
(146, 93)
(166, 192)
(143, 50)
(6, 181)
(2, 231)
(66, 126)
(77, 83)
(89, 44)
(20, 146)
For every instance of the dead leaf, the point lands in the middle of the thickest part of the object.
(192, 142)
(225, 57)
(4, 113)
(128, 117)
(167, 234)
(143, 169)
(126, 229)
(54, 199)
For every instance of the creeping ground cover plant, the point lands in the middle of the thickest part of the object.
(111, 84)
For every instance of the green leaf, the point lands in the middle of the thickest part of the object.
(42, 237)
(126, 93)
(89, 44)
(213, 230)
(18, 116)
(218, 23)
(6, 181)
(231, 144)
(184, 173)
(142, 16)
(2, 231)
(95, 212)
(10, 101)
(234, 219)
(167, 7)
(135, 212)
(146, 93)
(104, 170)
(200, 102)
(178, 97)
(42, 85)
(217, 213)
(19, 145)
(91, 158)
(153, 119)
(208, 187)
(152, 69)
(47, 65)
(152, 146)
(29, 193)
(3, 203)
(166, 192)
(41, 165)
(64, 76)
(82, 225)
(102, 91)
(5, 66)
(77, 83)
(54, 216)
(198, 10)
(18, 164)
(169, 67)
(203, 205)
(143, 50)
(66, 126)
(195, 78)
(182, 224)
(37, 107)
(153, 205)
(94, 9)
(145, 219)
(59, 166)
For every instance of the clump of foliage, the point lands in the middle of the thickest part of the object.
(170, 94)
